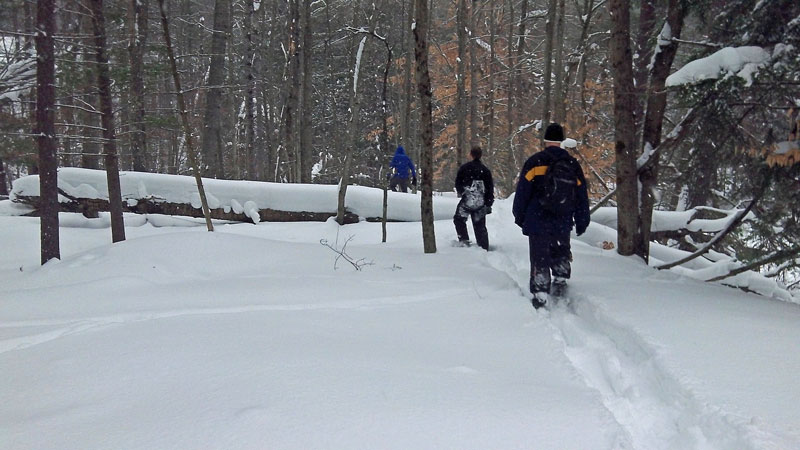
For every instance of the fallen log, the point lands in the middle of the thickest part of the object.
(90, 207)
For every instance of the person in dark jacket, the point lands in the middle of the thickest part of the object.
(548, 233)
(399, 170)
(475, 186)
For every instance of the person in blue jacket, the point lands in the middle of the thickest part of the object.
(399, 170)
(548, 233)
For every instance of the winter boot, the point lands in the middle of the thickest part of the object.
(539, 300)
(559, 287)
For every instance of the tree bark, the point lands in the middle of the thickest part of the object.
(90, 146)
(136, 51)
(559, 105)
(474, 75)
(654, 120)
(250, 93)
(306, 131)
(213, 143)
(644, 54)
(426, 125)
(461, 100)
(355, 110)
(624, 130)
(184, 115)
(293, 90)
(3, 179)
(107, 119)
(45, 129)
(548, 60)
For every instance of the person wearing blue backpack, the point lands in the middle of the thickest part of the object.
(550, 199)
(399, 170)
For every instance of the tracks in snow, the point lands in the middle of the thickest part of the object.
(653, 408)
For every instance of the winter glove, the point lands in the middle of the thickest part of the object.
(580, 230)
(414, 181)
(487, 209)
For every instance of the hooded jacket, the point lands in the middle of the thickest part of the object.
(529, 215)
(402, 164)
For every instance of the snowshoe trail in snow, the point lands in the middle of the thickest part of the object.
(653, 408)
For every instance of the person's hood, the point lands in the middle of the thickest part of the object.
(400, 151)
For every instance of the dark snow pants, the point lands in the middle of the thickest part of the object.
(478, 224)
(397, 181)
(549, 252)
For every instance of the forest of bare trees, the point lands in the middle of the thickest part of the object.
(320, 91)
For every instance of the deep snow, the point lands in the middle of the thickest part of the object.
(248, 337)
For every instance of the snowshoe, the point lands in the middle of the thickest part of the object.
(558, 288)
(539, 300)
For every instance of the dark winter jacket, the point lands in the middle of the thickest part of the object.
(466, 178)
(529, 215)
(402, 164)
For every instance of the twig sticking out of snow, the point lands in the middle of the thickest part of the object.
(342, 254)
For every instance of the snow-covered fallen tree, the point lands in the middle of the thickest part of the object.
(704, 262)
(86, 191)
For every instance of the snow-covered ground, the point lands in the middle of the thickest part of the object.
(254, 337)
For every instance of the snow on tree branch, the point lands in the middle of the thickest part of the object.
(743, 62)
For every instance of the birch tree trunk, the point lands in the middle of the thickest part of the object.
(45, 129)
(107, 120)
(624, 130)
(426, 125)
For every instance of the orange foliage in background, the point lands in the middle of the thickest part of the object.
(589, 116)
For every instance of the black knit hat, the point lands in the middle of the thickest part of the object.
(554, 133)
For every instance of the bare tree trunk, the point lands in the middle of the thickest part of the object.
(408, 43)
(461, 100)
(90, 148)
(355, 110)
(474, 75)
(136, 50)
(3, 179)
(107, 119)
(250, 93)
(46, 130)
(491, 68)
(559, 106)
(213, 143)
(624, 130)
(654, 119)
(548, 60)
(426, 125)
(306, 152)
(184, 114)
(644, 55)
(293, 86)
